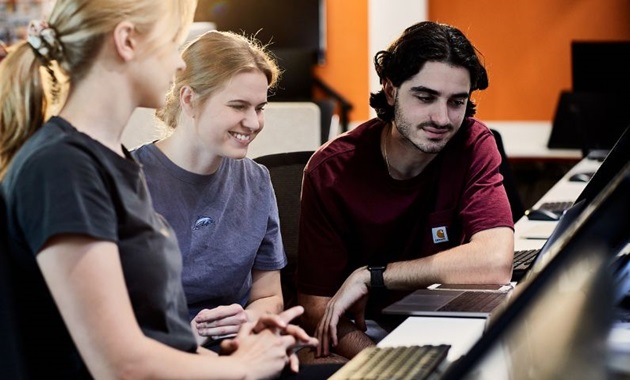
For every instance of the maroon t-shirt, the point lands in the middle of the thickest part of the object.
(353, 213)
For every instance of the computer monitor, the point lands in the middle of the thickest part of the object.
(600, 66)
(593, 113)
(613, 162)
(286, 24)
(556, 323)
(589, 120)
(617, 157)
(295, 32)
(297, 79)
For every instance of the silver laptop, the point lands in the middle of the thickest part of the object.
(476, 301)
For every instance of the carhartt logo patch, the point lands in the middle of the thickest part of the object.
(439, 234)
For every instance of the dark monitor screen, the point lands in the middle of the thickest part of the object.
(594, 113)
(600, 66)
(615, 160)
(294, 31)
(589, 120)
(286, 24)
(557, 321)
(296, 82)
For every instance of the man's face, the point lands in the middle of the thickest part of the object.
(430, 106)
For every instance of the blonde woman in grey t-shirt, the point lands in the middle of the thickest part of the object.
(220, 203)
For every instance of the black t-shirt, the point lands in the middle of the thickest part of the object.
(63, 181)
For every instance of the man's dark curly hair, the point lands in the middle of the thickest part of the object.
(422, 42)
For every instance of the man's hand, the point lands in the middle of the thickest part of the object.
(352, 297)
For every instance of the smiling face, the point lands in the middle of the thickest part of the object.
(430, 106)
(230, 119)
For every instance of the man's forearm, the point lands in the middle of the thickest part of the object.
(487, 259)
(351, 340)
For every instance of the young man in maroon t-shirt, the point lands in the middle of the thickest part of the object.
(408, 199)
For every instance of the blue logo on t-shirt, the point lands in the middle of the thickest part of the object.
(203, 221)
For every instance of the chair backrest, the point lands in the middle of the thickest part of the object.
(286, 171)
(289, 127)
(516, 203)
(11, 365)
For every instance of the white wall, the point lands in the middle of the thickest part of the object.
(386, 20)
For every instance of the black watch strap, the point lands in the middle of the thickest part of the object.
(376, 276)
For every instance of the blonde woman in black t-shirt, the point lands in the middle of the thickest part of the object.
(96, 271)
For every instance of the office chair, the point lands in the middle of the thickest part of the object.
(516, 203)
(286, 171)
(11, 365)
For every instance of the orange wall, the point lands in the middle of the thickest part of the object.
(346, 68)
(526, 45)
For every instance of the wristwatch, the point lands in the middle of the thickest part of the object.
(376, 276)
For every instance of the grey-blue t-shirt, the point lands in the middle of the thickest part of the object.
(226, 224)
